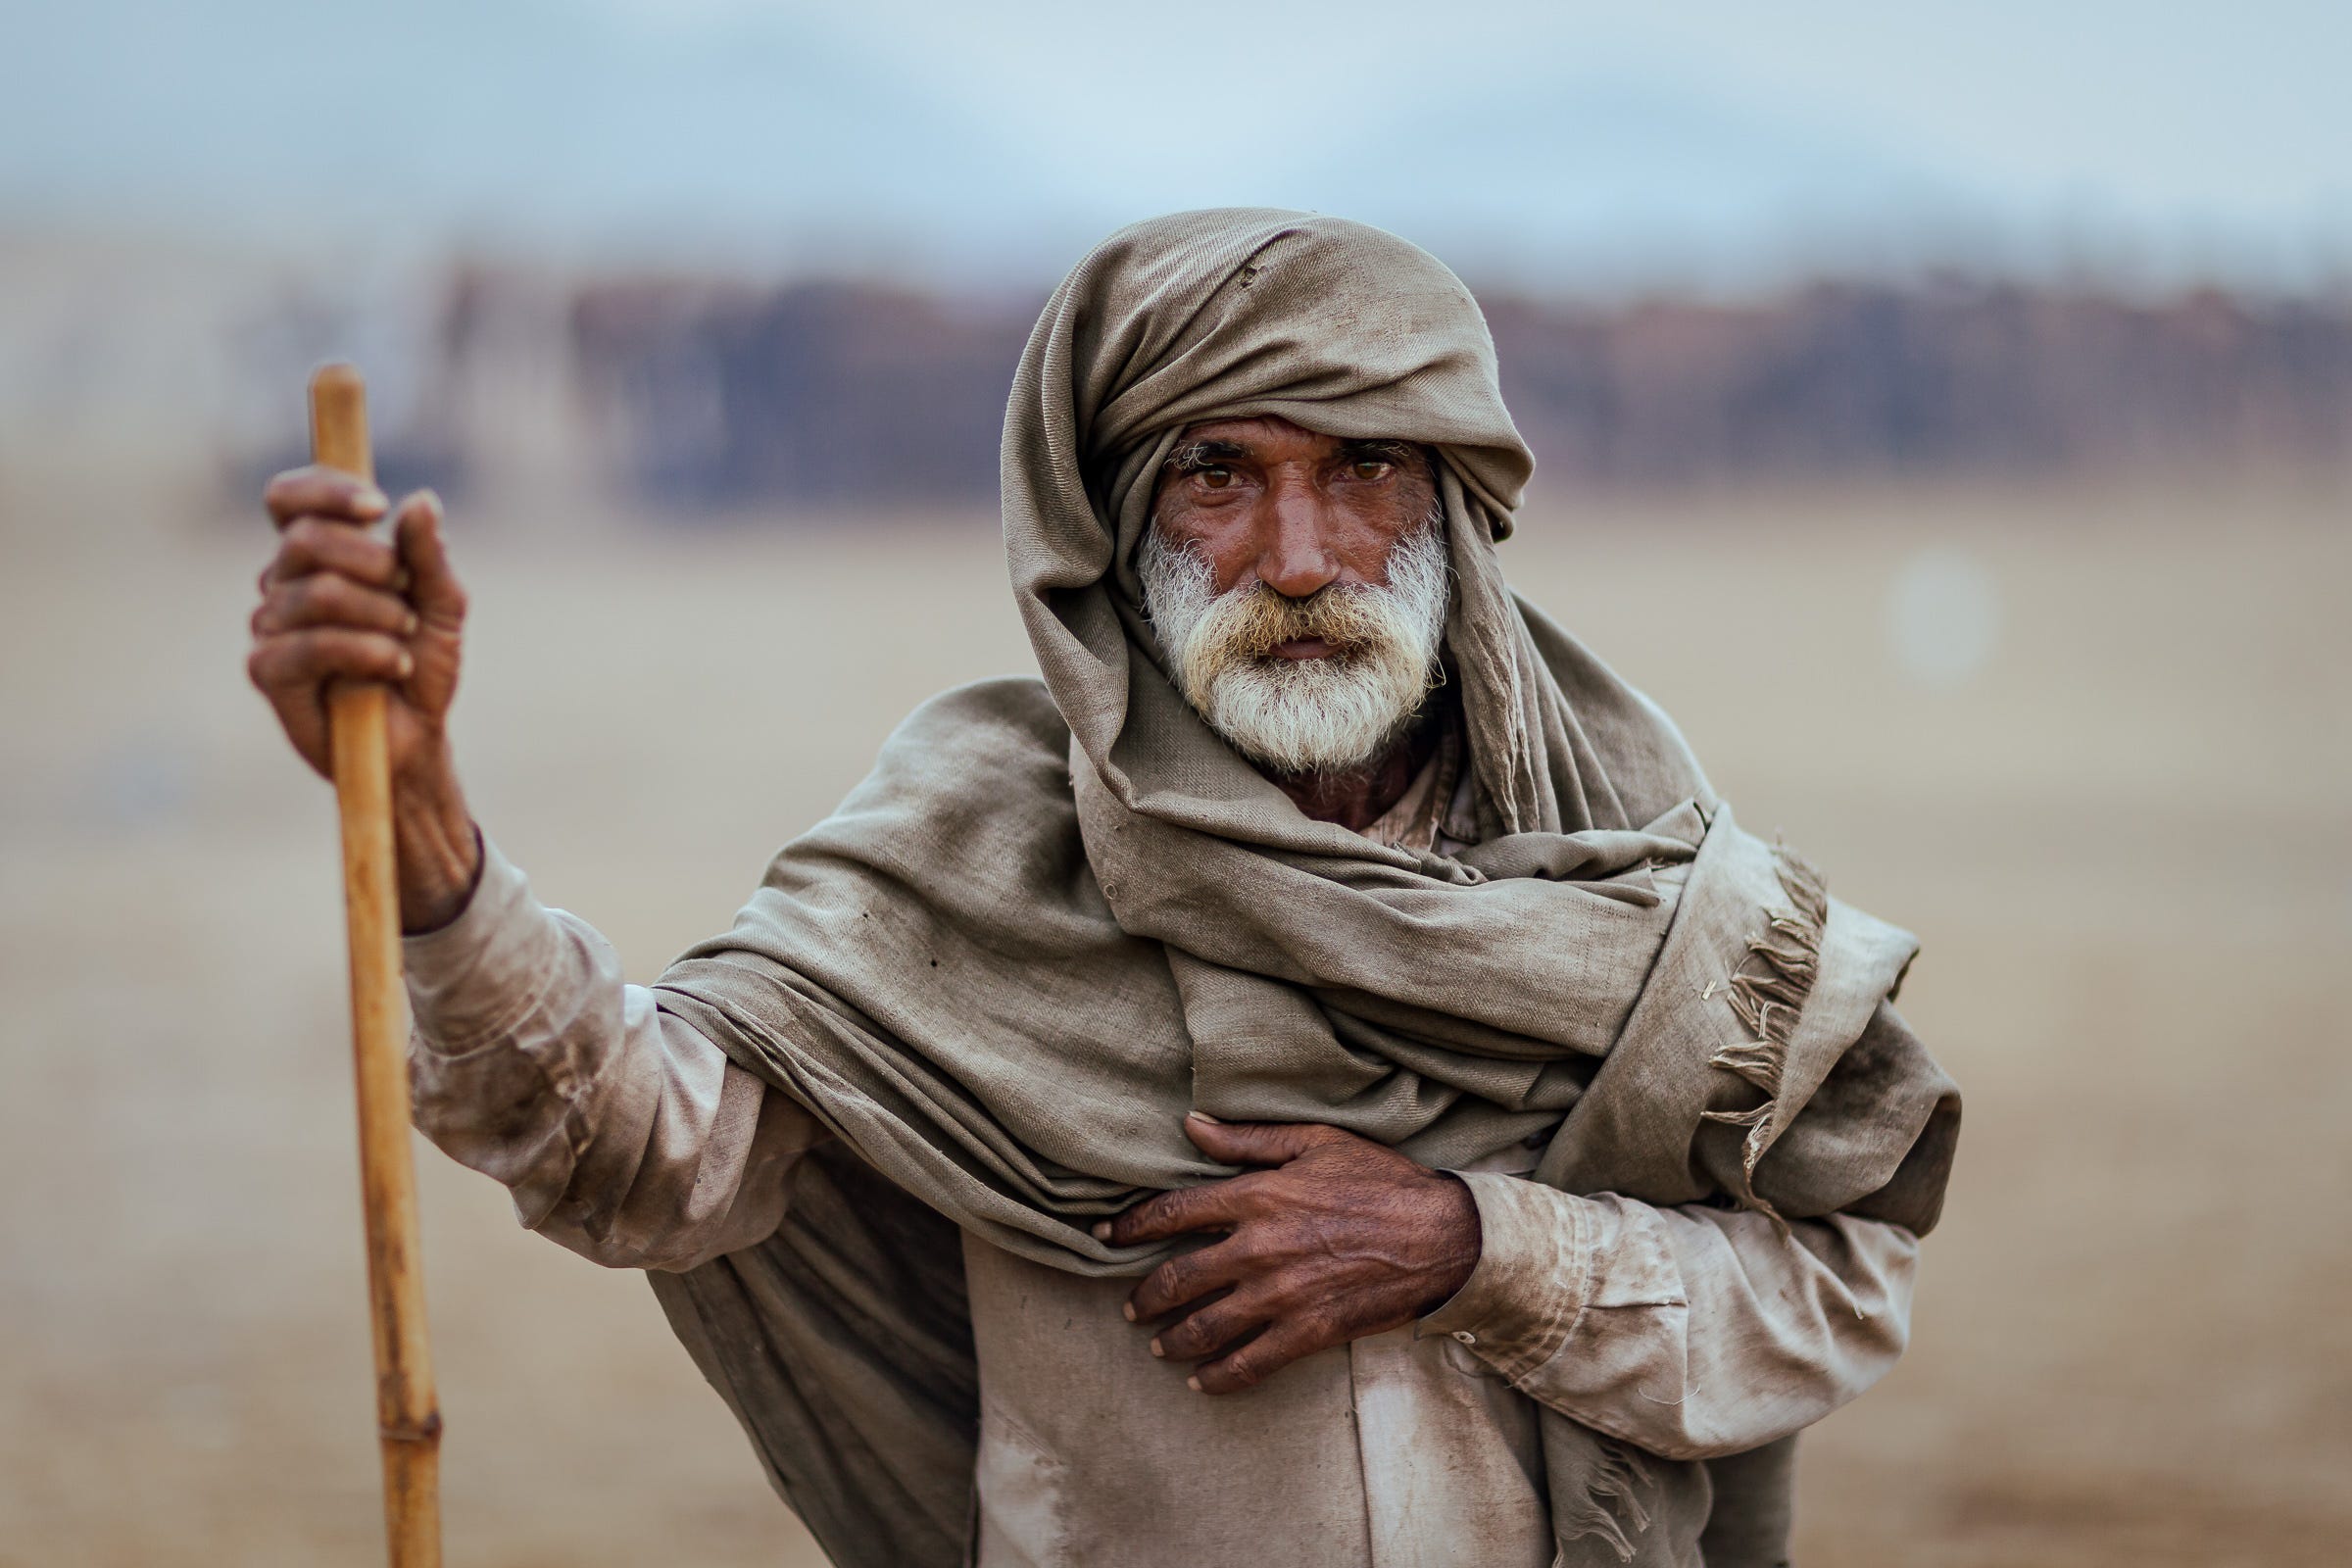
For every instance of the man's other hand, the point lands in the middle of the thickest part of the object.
(1342, 1238)
(339, 603)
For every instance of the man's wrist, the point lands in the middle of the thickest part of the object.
(439, 850)
(1537, 1246)
(1464, 1241)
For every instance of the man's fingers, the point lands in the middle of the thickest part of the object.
(319, 492)
(1209, 1329)
(1184, 1278)
(328, 599)
(1260, 1358)
(432, 586)
(293, 662)
(1211, 1206)
(312, 544)
(1259, 1142)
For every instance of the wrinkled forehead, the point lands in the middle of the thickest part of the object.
(1272, 438)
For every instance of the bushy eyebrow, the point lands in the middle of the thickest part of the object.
(1193, 456)
(1403, 453)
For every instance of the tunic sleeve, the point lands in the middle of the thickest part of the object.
(622, 1133)
(1688, 1331)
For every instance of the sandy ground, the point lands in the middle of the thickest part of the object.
(2124, 839)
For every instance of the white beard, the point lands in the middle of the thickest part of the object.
(1303, 716)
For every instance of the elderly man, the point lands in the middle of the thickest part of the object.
(1317, 1078)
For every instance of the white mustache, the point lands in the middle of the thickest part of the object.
(1302, 715)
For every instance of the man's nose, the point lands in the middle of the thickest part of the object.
(1296, 560)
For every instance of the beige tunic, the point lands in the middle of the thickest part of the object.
(1692, 1332)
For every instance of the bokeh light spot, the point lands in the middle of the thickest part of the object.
(1943, 615)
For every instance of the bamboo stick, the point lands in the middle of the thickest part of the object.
(408, 1419)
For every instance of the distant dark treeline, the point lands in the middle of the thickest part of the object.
(822, 392)
(1846, 380)
(841, 392)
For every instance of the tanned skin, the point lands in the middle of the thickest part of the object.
(1264, 500)
(341, 604)
(1336, 1237)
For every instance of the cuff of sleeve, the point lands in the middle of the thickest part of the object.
(1534, 1264)
(471, 978)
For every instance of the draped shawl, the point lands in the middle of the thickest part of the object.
(1063, 913)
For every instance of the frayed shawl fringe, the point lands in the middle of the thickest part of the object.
(1768, 991)
(1615, 1490)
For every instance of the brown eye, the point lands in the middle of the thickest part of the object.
(1370, 468)
(1216, 478)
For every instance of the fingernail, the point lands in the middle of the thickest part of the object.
(1128, 1308)
(1155, 1350)
(370, 498)
(407, 624)
(408, 666)
(1203, 1115)
(1102, 1230)
(1193, 1384)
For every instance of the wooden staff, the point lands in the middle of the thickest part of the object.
(408, 1419)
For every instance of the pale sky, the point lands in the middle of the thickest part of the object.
(2240, 107)
(1708, 137)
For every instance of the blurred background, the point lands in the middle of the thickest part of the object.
(1945, 411)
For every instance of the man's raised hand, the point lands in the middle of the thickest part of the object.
(339, 603)
(1342, 1238)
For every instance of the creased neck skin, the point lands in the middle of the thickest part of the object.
(1357, 797)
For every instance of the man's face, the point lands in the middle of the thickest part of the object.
(1298, 585)
(1264, 500)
